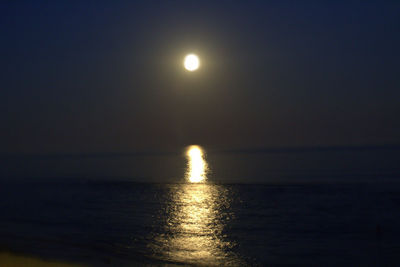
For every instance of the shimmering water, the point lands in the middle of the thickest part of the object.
(300, 219)
(129, 224)
(195, 219)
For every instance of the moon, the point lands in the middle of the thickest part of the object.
(191, 62)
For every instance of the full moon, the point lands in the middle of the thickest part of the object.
(191, 62)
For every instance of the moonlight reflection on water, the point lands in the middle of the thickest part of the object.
(195, 218)
(197, 165)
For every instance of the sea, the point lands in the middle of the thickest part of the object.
(123, 223)
(303, 207)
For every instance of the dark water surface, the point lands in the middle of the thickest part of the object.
(129, 224)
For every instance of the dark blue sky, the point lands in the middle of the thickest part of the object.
(107, 76)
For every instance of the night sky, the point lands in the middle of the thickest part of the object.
(107, 76)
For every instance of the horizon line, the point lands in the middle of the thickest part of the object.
(259, 150)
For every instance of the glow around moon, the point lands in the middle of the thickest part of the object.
(191, 62)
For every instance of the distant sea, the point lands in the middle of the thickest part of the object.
(120, 223)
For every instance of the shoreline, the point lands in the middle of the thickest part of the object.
(12, 259)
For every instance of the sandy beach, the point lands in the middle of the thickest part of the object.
(15, 260)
